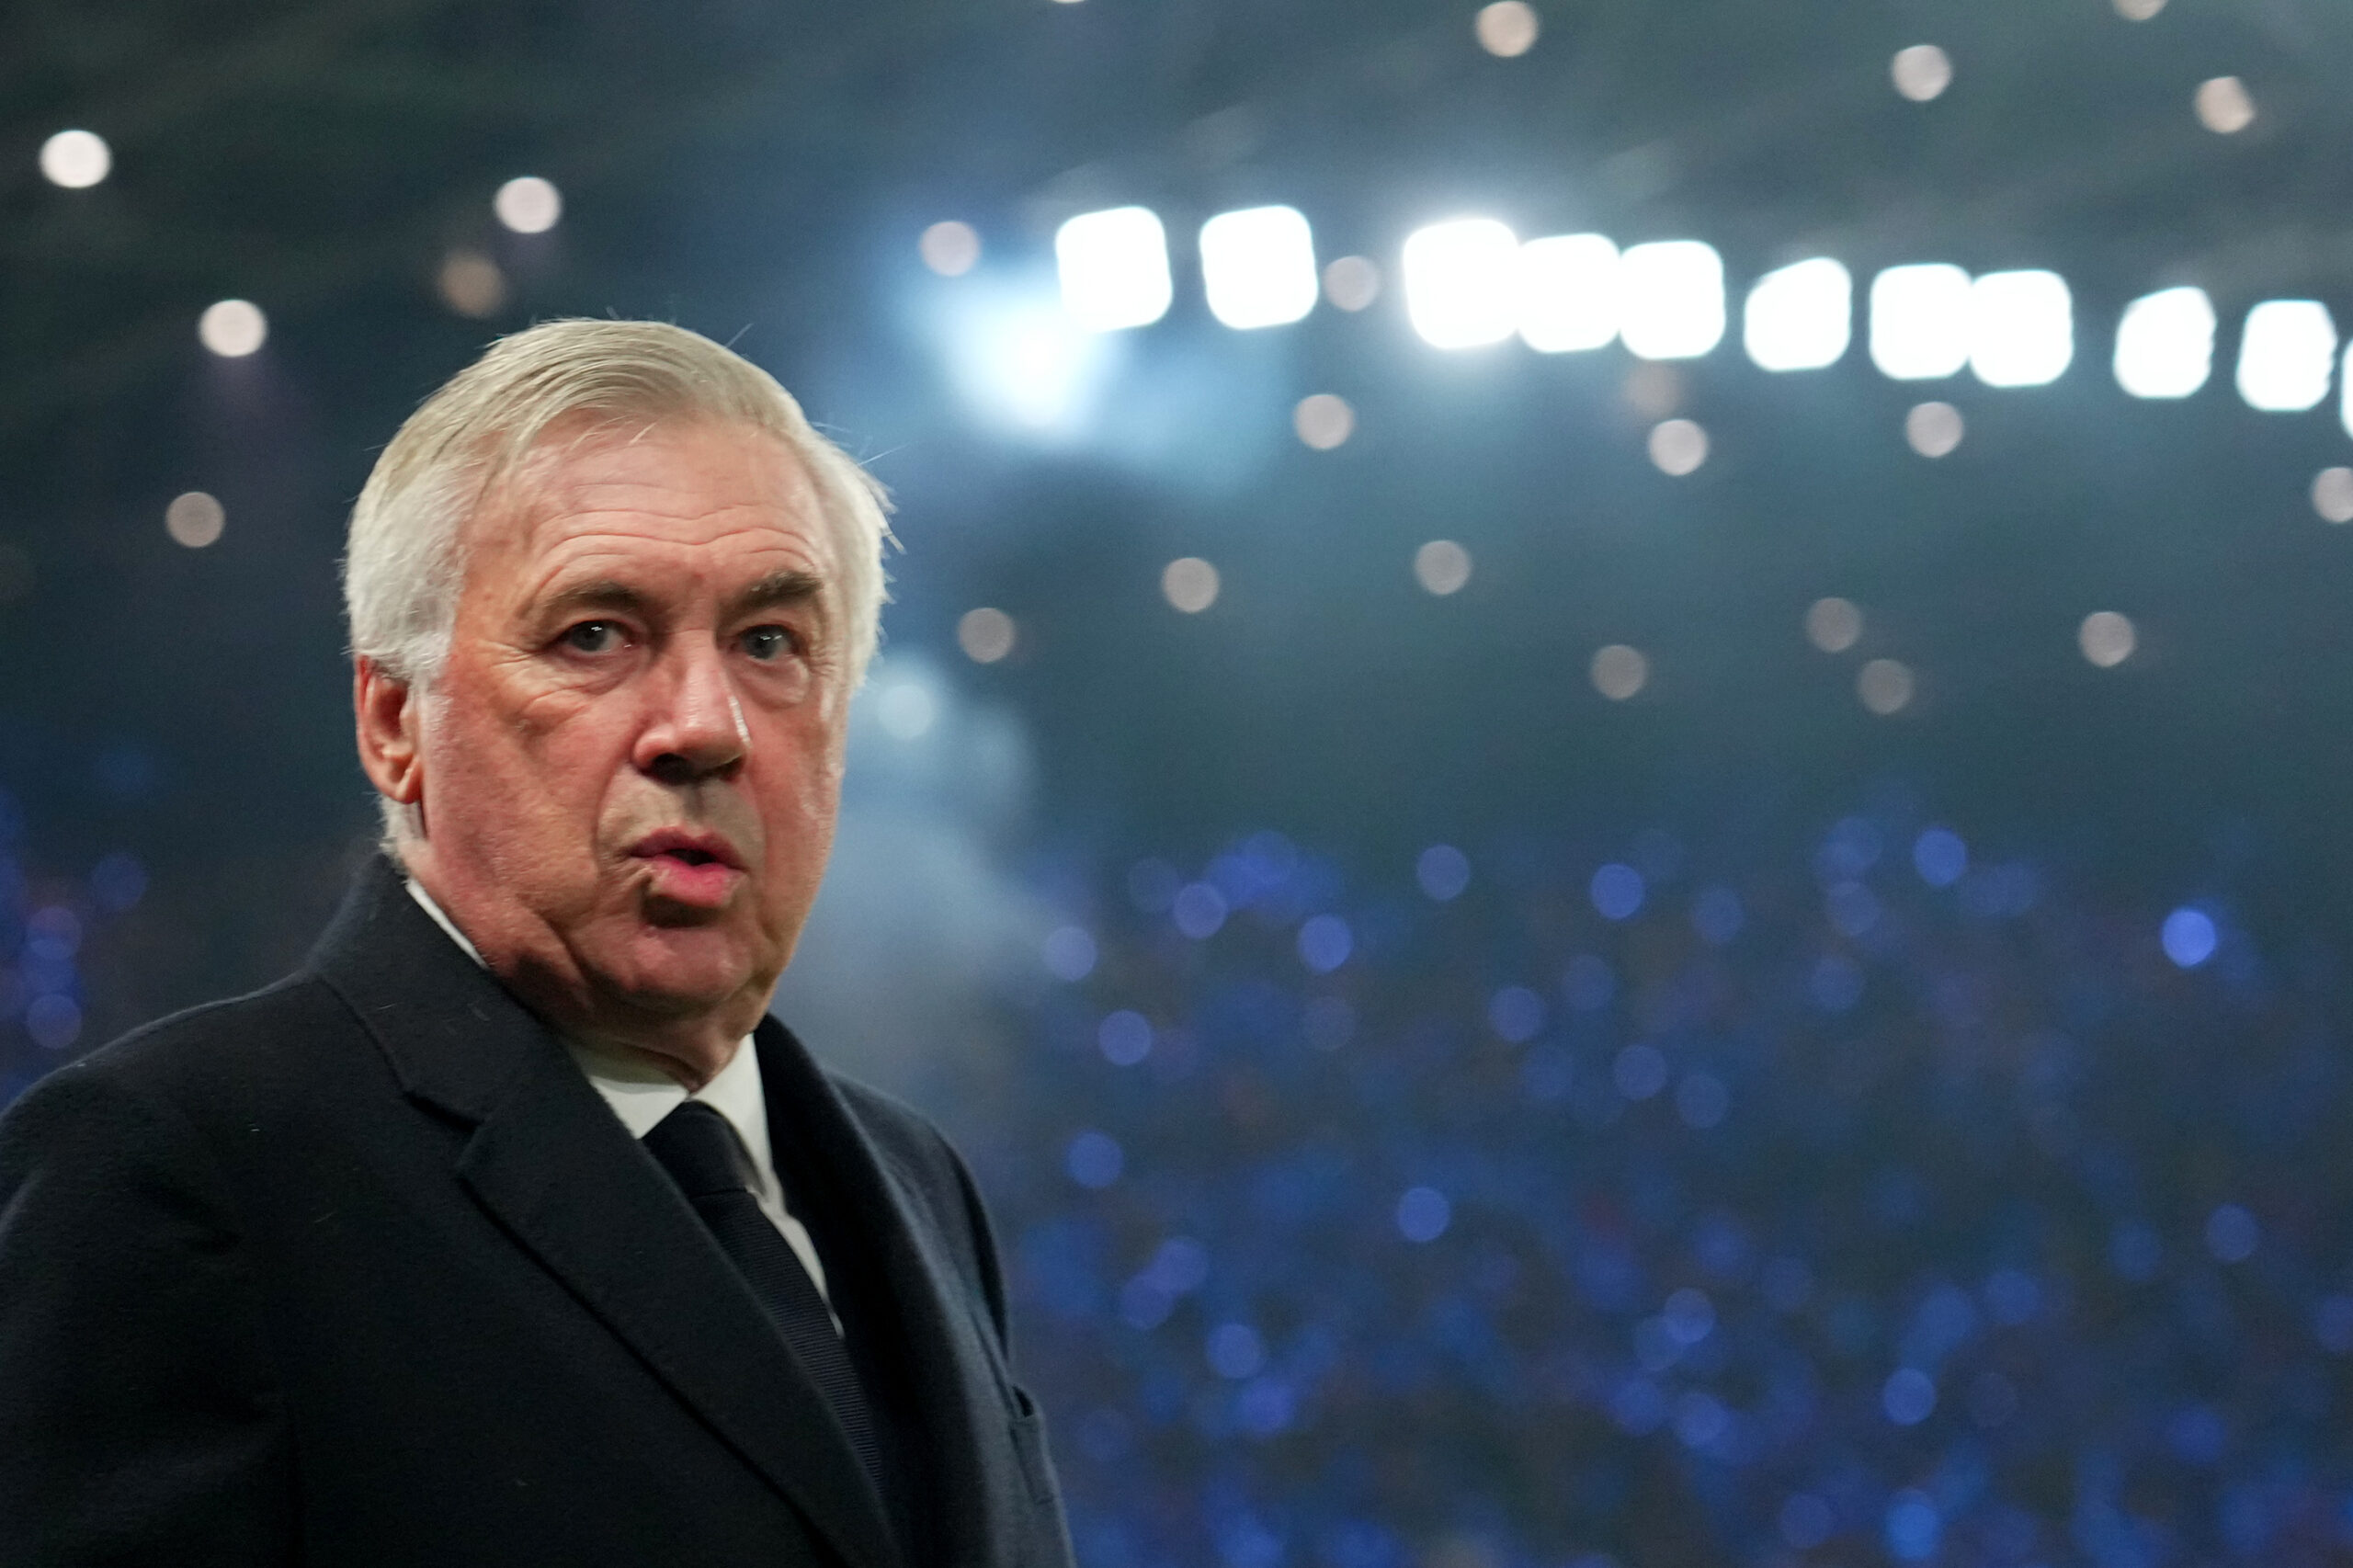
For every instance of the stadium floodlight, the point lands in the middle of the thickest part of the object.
(2286, 352)
(1459, 282)
(1671, 299)
(2164, 345)
(1920, 321)
(2021, 328)
(1114, 267)
(1800, 317)
(1567, 291)
(1259, 266)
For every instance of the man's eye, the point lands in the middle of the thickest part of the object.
(769, 643)
(593, 637)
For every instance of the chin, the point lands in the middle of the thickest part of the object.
(682, 971)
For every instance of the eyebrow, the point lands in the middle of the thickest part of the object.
(777, 590)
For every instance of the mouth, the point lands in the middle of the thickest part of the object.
(688, 867)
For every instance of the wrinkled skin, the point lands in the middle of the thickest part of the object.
(647, 680)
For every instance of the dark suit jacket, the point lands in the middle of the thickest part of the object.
(360, 1270)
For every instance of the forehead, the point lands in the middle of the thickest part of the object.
(703, 498)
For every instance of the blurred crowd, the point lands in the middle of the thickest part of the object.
(1850, 1194)
(1859, 1196)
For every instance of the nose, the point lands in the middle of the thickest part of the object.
(695, 730)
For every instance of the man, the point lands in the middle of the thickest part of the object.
(510, 1229)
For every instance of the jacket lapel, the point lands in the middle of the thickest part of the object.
(925, 1322)
(562, 1175)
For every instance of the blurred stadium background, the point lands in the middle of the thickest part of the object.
(1619, 827)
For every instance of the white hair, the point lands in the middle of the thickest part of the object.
(404, 562)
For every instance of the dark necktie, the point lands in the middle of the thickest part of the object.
(699, 1147)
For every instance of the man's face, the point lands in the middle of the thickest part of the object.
(631, 760)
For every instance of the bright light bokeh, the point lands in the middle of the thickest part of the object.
(1442, 567)
(1459, 279)
(1190, 584)
(2223, 106)
(1834, 625)
(1934, 429)
(1677, 447)
(1020, 362)
(1507, 29)
(2286, 353)
(1919, 328)
(1800, 317)
(1259, 266)
(1671, 296)
(950, 248)
(528, 205)
(2164, 345)
(1618, 671)
(195, 520)
(1352, 283)
(2021, 328)
(1567, 291)
(1921, 73)
(1324, 420)
(2107, 637)
(232, 328)
(75, 160)
(1114, 268)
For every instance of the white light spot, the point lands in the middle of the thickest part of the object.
(2286, 352)
(2223, 106)
(1023, 362)
(1919, 328)
(472, 284)
(2139, 10)
(985, 635)
(2021, 328)
(1618, 671)
(950, 248)
(528, 204)
(1934, 429)
(1352, 283)
(2107, 637)
(1442, 566)
(1834, 625)
(2164, 345)
(906, 709)
(1671, 300)
(1567, 291)
(1114, 268)
(1324, 420)
(2333, 495)
(76, 159)
(1190, 584)
(1884, 686)
(232, 328)
(1259, 266)
(1800, 317)
(1507, 29)
(1921, 73)
(1678, 446)
(1459, 282)
(195, 520)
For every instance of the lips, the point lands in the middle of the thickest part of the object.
(690, 867)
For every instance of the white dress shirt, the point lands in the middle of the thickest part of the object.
(642, 1095)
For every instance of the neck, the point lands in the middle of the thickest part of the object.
(690, 1046)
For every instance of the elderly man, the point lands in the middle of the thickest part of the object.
(511, 1230)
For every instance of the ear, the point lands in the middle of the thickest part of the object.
(388, 714)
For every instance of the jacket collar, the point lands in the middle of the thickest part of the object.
(553, 1165)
